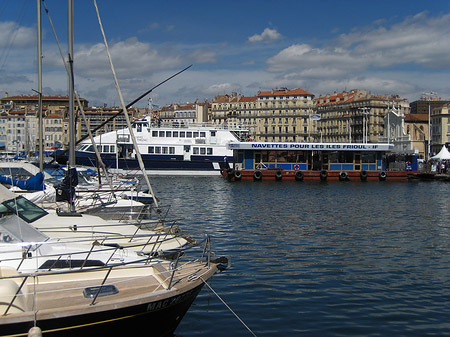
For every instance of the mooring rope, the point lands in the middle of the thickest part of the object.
(229, 308)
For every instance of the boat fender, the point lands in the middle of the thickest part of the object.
(237, 175)
(382, 176)
(230, 173)
(257, 175)
(363, 175)
(323, 175)
(35, 332)
(299, 175)
(278, 175)
(343, 176)
(222, 262)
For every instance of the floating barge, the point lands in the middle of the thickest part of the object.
(266, 161)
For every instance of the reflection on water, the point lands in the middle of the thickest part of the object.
(319, 259)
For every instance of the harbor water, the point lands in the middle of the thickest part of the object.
(319, 259)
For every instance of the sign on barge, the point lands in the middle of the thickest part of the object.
(266, 161)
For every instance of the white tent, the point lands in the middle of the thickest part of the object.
(443, 154)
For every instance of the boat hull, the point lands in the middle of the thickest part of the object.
(292, 175)
(176, 165)
(156, 318)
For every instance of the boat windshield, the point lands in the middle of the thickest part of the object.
(24, 208)
(13, 229)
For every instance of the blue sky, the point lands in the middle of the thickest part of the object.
(385, 47)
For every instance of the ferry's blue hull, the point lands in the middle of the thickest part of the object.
(160, 163)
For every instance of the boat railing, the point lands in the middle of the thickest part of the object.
(97, 285)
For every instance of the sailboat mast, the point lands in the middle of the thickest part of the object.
(71, 87)
(39, 55)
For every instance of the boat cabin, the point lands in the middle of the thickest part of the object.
(344, 159)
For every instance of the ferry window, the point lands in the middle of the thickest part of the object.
(346, 157)
(112, 148)
(171, 150)
(154, 133)
(195, 150)
(151, 149)
(196, 134)
(139, 128)
(161, 133)
(90, 148)
(157, 149)
(203, 134)
(282, 156)
(99, 148)
(168, 133)
(213, 133)
(165, 150)
(188, 134)
(175, 133)
(105, 148)
(209, 150)
(202, 150)
(182, 134)
(368, 157)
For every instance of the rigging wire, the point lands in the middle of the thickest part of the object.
(12, 37)
(124, 109)
(229, 308)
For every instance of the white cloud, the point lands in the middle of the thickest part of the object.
(12, 35)
(418, 40)
(268, 35)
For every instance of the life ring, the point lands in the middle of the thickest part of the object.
(343, 176)
(323, 175)
(299, 176)
(296, 167)
(279, 175)
(257, 175)
(382, 176)
(237, 175)
(363, 175)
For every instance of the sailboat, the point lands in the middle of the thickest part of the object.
(95, 282)
(77, 287)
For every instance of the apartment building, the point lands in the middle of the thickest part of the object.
(49, 103)
(284, 115)
(356, 116)
(184, 114)
(440, 128)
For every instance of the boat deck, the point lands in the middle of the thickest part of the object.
(60, 295)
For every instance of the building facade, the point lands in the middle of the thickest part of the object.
(184, 114)
(440, 128)
(417, 127)
(356, 116)
(275, 115)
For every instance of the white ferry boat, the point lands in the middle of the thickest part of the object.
(166, 150)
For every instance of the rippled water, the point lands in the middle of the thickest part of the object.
(319, 259)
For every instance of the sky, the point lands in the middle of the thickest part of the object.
(390, 47)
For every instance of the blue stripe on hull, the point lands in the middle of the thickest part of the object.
(158, 162)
